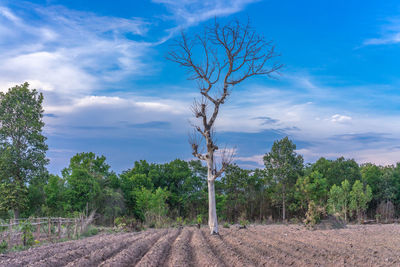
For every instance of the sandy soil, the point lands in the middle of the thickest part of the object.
(258, 245)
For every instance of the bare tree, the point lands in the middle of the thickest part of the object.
(218, 59)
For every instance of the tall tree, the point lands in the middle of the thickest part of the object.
(235, 184)
(86, 178)
(220, 58)
(312, 187)
(339, 200)
(360, 196)
(284, 165)
(22, 144)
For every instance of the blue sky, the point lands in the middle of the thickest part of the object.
(109, 89)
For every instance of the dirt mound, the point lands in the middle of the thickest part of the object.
(329, 223)
(258, 245)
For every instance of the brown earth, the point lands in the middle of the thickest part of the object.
(258, 245)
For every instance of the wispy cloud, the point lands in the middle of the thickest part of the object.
(189, 13)
(69, 51)
(390, 34)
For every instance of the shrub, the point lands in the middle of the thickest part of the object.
(91, 231)
(313, 214)
(179, 221)
(199, 220)
(3, 246)
(243, 221)
(27, 236)
(127, 223)
(226, 225)
(153, 205)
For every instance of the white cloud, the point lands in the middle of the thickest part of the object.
(337, 118)
(48, 71)
(390, 34)
(258, 159)
(70, 52)
(386, 39)
(5, 12)
(192, 12)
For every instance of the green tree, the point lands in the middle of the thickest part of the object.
(372, 175)
(284, 165)
(312, 187)
(235, 184)
(55, 191)
(22, 145)
(113, 205)
(152, 205)
(86, 178)
(336, 171)
(339, 200)
(130, 181)
(359, 198)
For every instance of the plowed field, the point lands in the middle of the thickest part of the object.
(260, 245)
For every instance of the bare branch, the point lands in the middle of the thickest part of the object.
(195, 142)
(229, 54)
(227, 156)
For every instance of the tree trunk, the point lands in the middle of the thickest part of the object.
(16, 213)
(212, 208)
(284, 203)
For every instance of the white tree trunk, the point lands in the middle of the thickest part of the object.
(212, 208)
(284, 204)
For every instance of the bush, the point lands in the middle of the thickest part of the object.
(3, 246)
(226, 225)
(27, 236)
(127, 223)
(243, 221)
(153, 206)
(179, 221)
(313, 214)
(91, 231)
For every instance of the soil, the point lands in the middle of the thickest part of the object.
(258, 245)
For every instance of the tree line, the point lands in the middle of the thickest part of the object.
(154, 193)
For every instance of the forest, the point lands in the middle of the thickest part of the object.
(158, 194)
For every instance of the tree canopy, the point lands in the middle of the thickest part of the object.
(22, 144)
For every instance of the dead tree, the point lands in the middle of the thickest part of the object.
(218, 59)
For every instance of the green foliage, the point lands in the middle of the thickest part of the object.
(234, 182)
(243, 223)
(113, 205)
(339, 200)
(22, 145)
(55, 191)
(359, 198)
(312, 187)
(3, 246)
(336, 171)
(179, 221)
(91, 231)
(127, 223)
(27, 236)
(226, 225)
(314, 214)
(199, 219)
(13, 196)
(152, 205)
(284, 165)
